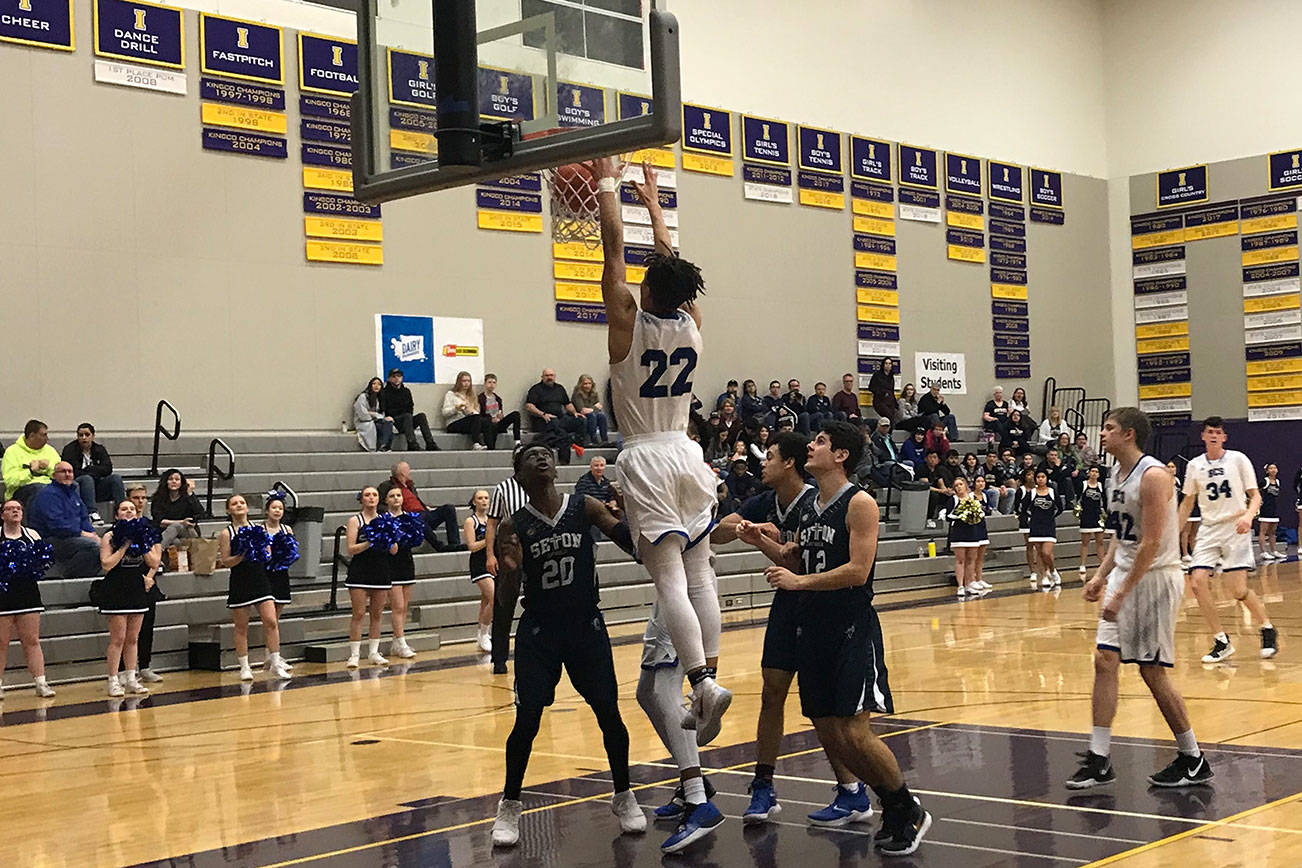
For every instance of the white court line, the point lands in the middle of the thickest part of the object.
(961, 727)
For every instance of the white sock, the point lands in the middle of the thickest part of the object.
(1187, 744)
(1268, 626)
(1101, 740)
(850, 788)
(244, 662)
(39, 679)
(660, 693)
(354, 649)
(665, 564)
(694, 790)
(129, 675)
(374, 646)
(275, 657)
(703, 591)
(1222, 637)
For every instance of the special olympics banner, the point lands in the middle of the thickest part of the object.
(949, 370)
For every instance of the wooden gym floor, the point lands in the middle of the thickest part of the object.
(404, 766)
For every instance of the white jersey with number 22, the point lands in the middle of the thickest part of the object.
(652, 386)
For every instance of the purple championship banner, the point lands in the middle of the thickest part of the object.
(238, 93)
(918, 168)
(140, 32)
(963, 174)
(242, 49)
(580, 105)
(326, 156)
(327, 65)
(1008, 212)
(1005, 183)
(506, 200)
(324, 107)
(329, 205)
(240, 142)
(314, 130)
(870, 160)
(530, 182)
(875, 279)
(1046, 189)
(1049, 216)
(1012, 372)
(571, 312)
(764, 140)
(875, 332)
(411, 79)
(1012, 341)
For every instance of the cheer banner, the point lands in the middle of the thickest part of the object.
(38, 23)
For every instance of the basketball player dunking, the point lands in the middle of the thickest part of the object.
(669, 491)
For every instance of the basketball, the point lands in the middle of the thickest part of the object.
(576, 188)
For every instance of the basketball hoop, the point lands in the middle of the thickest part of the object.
(575, 213)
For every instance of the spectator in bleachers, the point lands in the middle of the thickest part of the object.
(1051, 427)
(588, 403)
(123, 596)
(730, 393)
(994, 418)
(882, 386)
(845, 403)
(795, 401)
(729, 422)
(444, 514)
(1067, 452)
(93, 470)
(909, 418)
(914, 450)
(941, 482)
(818, 407)
(1059, 476)
(550, 410)
(58, 514)
(461, 412)
(491, 406)
(718, 451)
(750, 407)
(741, 482)
(139, 497)
(29, 462)
(971, 468)
(932, 405)
(20, 601)
(175, 508)
(374, 429)
(759, 449)
(1019, 402)
(397, 404)
(774, 403)
(1086, 455)
(595, 483)
(936, 438)
(888, 464)
(1017, 439)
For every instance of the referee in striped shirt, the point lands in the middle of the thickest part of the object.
(507, 498)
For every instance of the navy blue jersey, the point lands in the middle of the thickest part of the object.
(764, 507)
(1269, 498)
(1092, 501)
(824, 538)
(559, 574)
(1041, 510)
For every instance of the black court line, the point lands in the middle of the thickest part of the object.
(995, 794)
(54, 712)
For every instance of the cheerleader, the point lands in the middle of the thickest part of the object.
(1020, 499)
(402, 572)
(982, 534)
(1093, 500)
(244, 549)
(965, 538)
(20, 601)
(129, 565)
(284, 552)
(476, 527)
(1042, 508)
(368, 579)
(1188, 533)
(1268, 516)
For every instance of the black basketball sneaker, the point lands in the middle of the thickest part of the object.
(1184, 771)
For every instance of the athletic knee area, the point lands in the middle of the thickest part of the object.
(773, 695)
(1106, 661)
(1153, 676)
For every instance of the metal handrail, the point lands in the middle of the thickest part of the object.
(160, 430)
(213, 472)
(281, 485)
(1046, 399)
(335, 560)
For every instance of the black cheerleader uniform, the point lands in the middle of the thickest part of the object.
(278, 580)
(22, 597)
(123, 591)
(1091, 508)
(249, 584)
(1020, 498)
(963, 535)
(479, 559)
(369, 570)
(402, 567)
(1269, 513)
(1041, 510)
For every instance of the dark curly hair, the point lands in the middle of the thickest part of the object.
(673, 281)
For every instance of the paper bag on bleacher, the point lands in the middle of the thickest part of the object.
(203, 556)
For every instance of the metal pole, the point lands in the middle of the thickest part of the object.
(456, 82)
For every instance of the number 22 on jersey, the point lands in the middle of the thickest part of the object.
(659, 362)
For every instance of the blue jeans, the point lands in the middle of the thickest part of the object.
(93, 490)
(597, 429)
(74, 557)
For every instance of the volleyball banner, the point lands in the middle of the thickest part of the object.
(963, 174)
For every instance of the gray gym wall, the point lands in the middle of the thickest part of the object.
(138, 266)
(1215, 282)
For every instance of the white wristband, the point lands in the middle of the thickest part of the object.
(606, 185)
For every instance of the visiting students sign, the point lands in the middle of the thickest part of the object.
(949, 370)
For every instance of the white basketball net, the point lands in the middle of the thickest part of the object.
(571, 224)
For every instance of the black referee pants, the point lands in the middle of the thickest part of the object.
(505, 596)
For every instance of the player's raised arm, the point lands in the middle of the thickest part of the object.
(615, 530)
(649, 193)
(621, 307)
